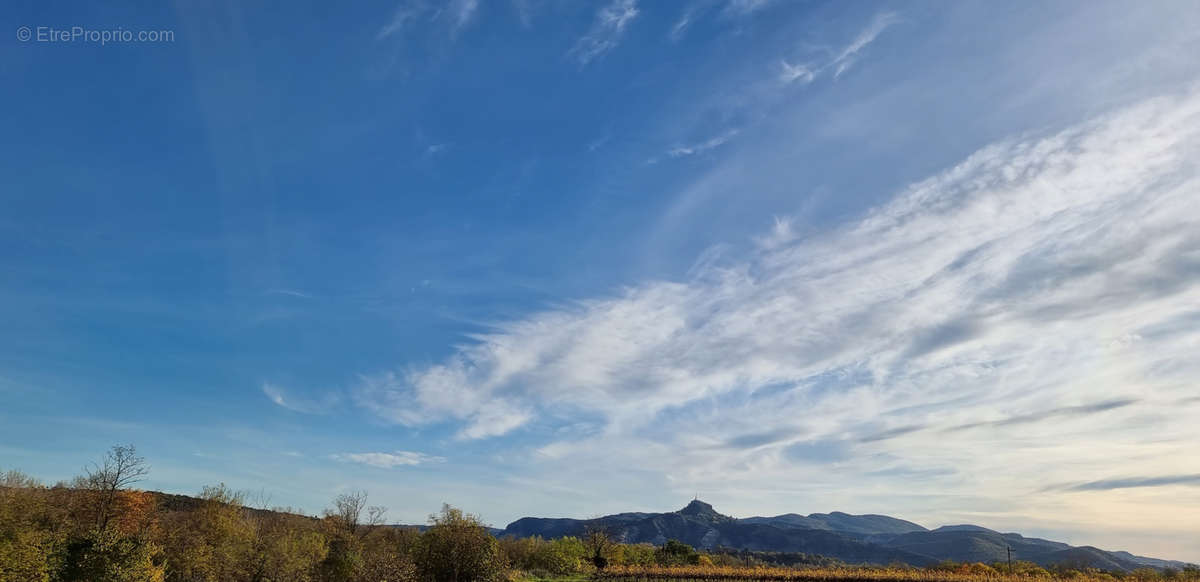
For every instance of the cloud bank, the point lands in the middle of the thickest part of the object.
(1009, 323)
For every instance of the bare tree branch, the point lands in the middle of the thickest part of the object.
(348, 509)
(120, 468)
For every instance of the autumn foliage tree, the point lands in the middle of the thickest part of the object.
(106, 480)
(457, 548)
(27, 548)
(213, 542)
(599, 543)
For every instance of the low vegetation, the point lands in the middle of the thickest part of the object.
(96, 528)
(946, 572)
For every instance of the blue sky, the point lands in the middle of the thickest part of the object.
(934, 260)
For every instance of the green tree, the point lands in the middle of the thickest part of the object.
(517, 553)
(108, 537)
(359, 548)
(560, 556)
(28, 543)
(290, 549)
(636, 554)
(343, 562)
(457, 548)
(1021, 568)
(26, 556)
(108, 556)
(599, 543)
(387, 555)
(214, 542)
(1145, 575)
(676, 553)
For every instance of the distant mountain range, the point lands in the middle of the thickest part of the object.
(855, 539)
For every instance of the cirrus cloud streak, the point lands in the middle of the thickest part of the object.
(1011, 294)
(388, 460)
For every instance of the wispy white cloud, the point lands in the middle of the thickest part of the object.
(782, 233)
(405, 14)
(606, 31)
(280, 397)
(728, 11)
(494, 419)
(791, 73)
(390, 397)
(388, 460)
(681, 26)
(462, 12)
(454, 16)
(702, 147)
(524, 11)
(744, 7)
(415, 399)
(598, 142)
(1028, 293)
(288, 292)
(843, 59)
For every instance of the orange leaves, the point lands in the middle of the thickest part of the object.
(134, 511)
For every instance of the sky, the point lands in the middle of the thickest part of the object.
(939, 261)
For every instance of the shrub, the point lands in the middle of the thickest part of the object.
(457, 548)
(291, 554)
(343, 561)
(25, 556)
(676, 553)
(214, 542)
(635, 554)
(108, 556)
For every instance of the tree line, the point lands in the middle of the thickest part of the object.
(98, 528)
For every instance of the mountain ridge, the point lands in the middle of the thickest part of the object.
(856, 539)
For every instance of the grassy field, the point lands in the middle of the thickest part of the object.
(571, 578)
(852, 574)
